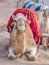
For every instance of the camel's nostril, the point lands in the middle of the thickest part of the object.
(21, 24)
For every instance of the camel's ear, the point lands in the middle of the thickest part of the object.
(13, 17)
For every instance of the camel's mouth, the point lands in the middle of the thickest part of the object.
(21, 28)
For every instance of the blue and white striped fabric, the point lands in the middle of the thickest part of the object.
(28, 4)
(38, 8)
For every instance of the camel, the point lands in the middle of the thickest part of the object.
(21, 39)
(44, 17)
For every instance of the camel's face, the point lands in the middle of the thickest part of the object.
(20, 21)
(21, 24)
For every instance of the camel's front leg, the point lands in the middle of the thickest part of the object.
(11, 54)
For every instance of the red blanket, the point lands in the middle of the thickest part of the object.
(33, 17)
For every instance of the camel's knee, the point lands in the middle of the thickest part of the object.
(11, 54)
(32, 54)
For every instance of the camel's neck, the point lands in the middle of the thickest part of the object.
(20, 32)
(20, 36)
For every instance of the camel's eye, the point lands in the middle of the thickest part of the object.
(12, 26)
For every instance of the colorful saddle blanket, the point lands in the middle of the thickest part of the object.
(33, 17)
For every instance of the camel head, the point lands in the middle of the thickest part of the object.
(20, 21)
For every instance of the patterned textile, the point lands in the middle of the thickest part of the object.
(28, 4)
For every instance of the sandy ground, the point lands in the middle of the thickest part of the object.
(6, 9)
(42, 56)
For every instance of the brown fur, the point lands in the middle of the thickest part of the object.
(21, 41)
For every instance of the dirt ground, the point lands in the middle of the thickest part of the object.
(6, 9)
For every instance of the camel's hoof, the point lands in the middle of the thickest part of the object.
(32, 59)
(11, 58)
